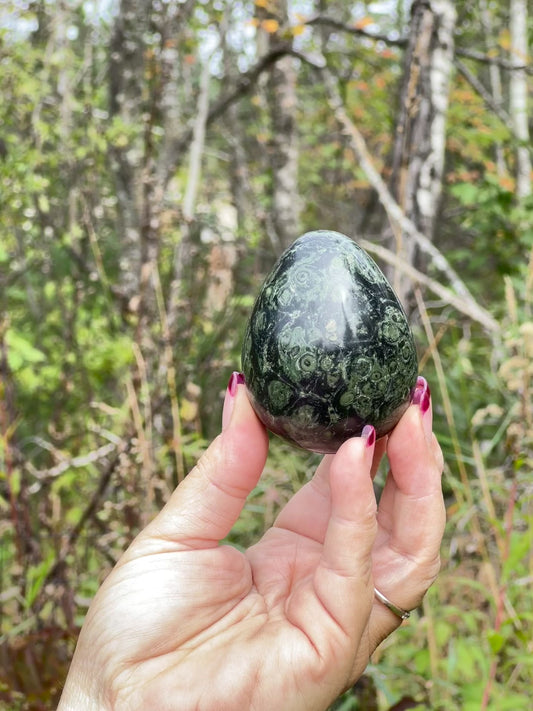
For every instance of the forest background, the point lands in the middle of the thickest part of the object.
(156, 156)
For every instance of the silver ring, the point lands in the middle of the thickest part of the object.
(402, 614)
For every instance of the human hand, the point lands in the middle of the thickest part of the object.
(183, 622)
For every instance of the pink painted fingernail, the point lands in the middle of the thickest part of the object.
(421, 395)
(235, 380)
(369, 433)
(422, 398)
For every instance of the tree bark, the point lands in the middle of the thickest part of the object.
(126, 79)
(283, 148)
(519, 96)
(495, 78)
(418, 151)
(284, 151)
(400, 221)
(183, 251)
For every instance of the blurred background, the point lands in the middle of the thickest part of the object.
(156, 156)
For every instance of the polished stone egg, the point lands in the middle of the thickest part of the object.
(327, 347)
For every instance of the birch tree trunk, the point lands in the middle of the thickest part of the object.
(418, 151)
(518, 96)
(183, 251)
(494, 77)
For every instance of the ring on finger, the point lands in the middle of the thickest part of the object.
(398, 611)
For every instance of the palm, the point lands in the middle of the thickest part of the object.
(185, 623)
(260, 611)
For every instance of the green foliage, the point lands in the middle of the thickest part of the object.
(109, 394)
(474, 631)
(500, 230)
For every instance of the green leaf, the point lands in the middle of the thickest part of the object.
(466, 193)
(496, 641)
(520, 547)
(35, 577)
(20, 351)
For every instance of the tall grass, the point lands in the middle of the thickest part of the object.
(470, 645)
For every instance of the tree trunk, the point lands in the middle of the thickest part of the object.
(126, 79)
(418, 151)
(283, 148)
(183, 250)
(495, 78)
(518, 96)
(284, 151)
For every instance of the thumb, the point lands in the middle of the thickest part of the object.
(206, 505)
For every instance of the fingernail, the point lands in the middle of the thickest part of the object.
(235, 380)
(421, 395)
(369, 433)
(422, 398)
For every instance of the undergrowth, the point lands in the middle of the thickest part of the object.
(470, 645)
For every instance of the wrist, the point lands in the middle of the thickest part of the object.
(74, 700)
(77, 697)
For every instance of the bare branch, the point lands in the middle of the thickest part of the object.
(394, 211)
(92, 506)
(402, 42)
(242, 85)
(325, 21)
(489, 59)
(469, 308)
(82, 460)
(478, 86)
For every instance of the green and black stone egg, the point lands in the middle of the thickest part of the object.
(328, 348)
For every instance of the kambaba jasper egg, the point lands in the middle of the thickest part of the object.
(328, 348)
